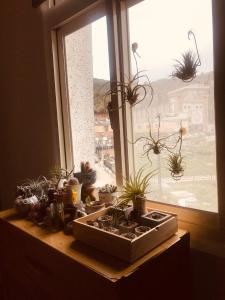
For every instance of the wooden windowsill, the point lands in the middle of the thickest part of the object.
(203, 227)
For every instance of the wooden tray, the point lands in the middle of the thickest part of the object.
(121, 247)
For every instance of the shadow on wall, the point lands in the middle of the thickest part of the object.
(28, 127)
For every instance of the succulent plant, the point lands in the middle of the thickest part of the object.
(108, 188)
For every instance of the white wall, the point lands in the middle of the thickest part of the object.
(80, 85)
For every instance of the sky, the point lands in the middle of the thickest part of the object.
(160, 28)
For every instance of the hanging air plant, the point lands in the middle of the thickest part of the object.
(131, 91)
(157, 144)
(175, 160)
(175, 166)
(186, 69)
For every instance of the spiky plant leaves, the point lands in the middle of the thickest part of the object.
(135, 186)
(175, 166)
(187, 68)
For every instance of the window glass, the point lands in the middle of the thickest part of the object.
(87, 66)
(161, 30)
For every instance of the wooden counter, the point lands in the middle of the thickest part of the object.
(44, 265)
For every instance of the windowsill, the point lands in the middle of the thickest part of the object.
(202, 226)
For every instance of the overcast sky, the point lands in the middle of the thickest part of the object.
(160, 28)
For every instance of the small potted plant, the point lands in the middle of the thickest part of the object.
(127, 226)
(107, 194)
(60, 176)
(134, 190)
(32, 194)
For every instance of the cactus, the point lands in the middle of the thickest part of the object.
(85, 167)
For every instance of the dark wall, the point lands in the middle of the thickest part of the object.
(208, 276)
(28, 128)
(28, 140)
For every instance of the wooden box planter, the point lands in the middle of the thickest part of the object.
(119, 246)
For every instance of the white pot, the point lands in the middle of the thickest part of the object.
(107, 198)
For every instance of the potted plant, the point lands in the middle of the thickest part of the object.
(134, 190)
(127, 226)
(60, 176)
(32, 196)
(107, 194)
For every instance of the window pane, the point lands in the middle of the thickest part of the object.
(88, 78)
(160, 28)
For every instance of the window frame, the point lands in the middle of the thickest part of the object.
(77, 23)
(204, 226)
(86, 17)
(215, 220)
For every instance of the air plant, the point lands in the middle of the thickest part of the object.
(131, 91)
(33, 187)
(134, 187)
(175, 166)
(156, 144)
(187, 68)
(175, 160)
(58, 173)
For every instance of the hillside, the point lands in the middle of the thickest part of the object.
(161, 88)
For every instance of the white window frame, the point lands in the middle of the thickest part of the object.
(205, 227)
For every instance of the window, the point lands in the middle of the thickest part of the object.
(193, 103)
(160, 28)
(85, 54)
